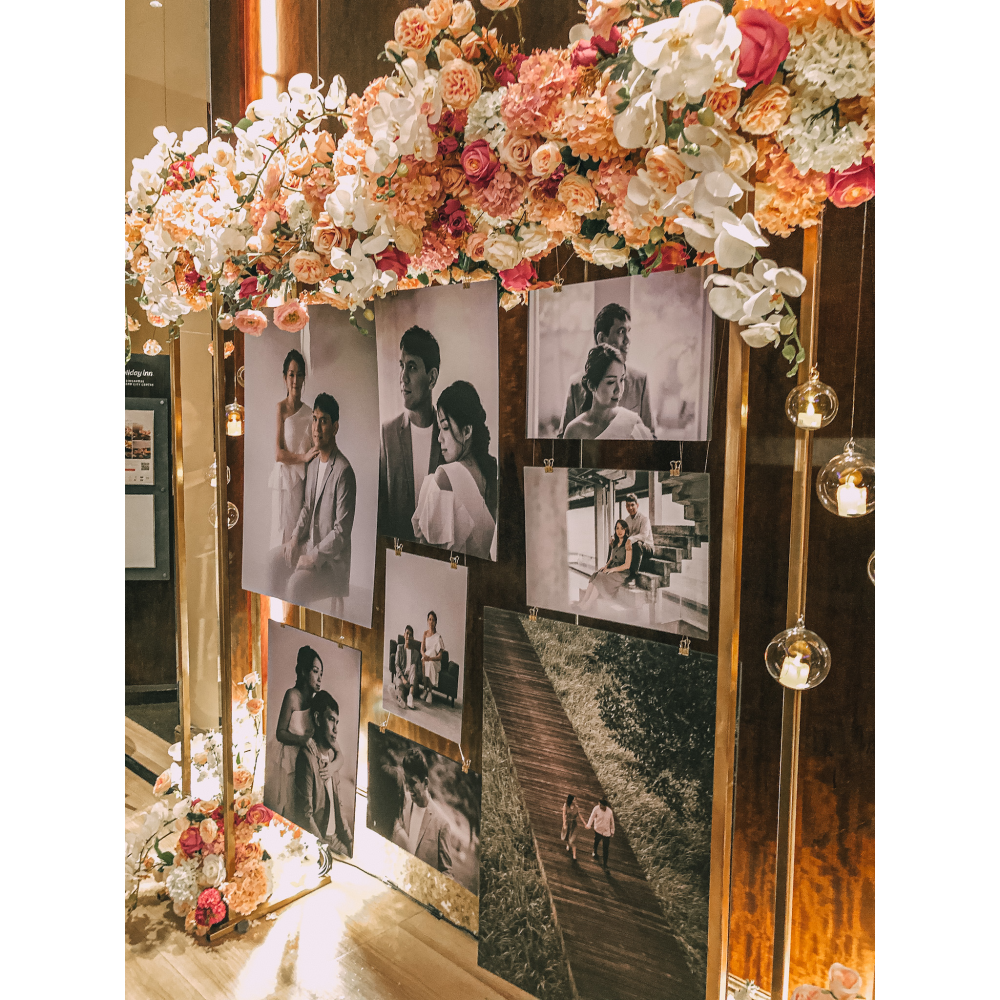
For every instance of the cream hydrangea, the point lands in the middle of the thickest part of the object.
(813, 139)
(484, 121)
(829, 57)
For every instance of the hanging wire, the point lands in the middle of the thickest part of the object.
(857, 332)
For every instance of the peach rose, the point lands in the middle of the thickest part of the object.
(438, 13)
(300, 163)
(475, 245)
(460, 84)
(324, 148)
(307, 267)
(243, 803)
(448, 50)
(155, 320)
(206, 807)
(858, 17)
(723, 100)
(413, 31)
(665, 167)
(546, 159)
(163, 783)
(242, 778)
(463, 17)
(766, 111)
(517, 151)
(844, 983)
(452, 180)
(251, 321)
(151, 347)
(326, 236)
(208, 830)
(254, 705)
(407, 240)
(498, 4)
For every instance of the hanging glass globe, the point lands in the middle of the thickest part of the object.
(233, 511)
(813, 404)
(846, 484)
(797, 658)
(234, 419)
(212, 470)
(871, 567)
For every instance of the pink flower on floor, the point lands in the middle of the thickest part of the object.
(520, 277)
(211, 908)
(291, 317)
(259, 815)
(190, 841)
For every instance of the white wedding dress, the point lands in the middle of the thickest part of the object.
(288, 482)
(456, 519)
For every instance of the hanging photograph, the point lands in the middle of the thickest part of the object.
(598, 757)
(620, 545)
(422, 675)
(621, 359)
(439, 403)
(313, 719)
(311, 466)
(425, 804)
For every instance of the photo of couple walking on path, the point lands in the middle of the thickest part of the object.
(586, 731)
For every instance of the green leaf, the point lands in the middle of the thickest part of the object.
(244, 123)
(165, 856)
(788, 352)
(676, 7)
(800, 357)
(423, 279)
(792, 372)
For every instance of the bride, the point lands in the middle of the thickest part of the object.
(602, 418)
(457, 508)
(293, 449)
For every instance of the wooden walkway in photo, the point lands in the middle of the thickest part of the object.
(617, 942)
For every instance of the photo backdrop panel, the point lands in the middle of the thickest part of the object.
(459, 511)
(570, 519)
(305, 779)
(597, 716)
(424, 804)
(415, 587)
(341, 362)
(668, 355)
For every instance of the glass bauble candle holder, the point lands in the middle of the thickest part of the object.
(798, 658)
(846, 484)
(871, 567)
(813, 404)
(233, 510)
(213, 468)
(234, 420)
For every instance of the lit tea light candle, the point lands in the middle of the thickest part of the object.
(794, 673)
(809, 419)
(234, 420)
(852, 500)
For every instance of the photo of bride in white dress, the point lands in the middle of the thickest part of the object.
(601, 417)
(317, 685)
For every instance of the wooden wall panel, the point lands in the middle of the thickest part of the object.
(834, 899)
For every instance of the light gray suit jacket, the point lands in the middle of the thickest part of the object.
(327, 519)
(434, 843)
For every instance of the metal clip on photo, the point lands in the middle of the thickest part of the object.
(383, 723)
(675, 467)
(466, 762)
(397, 546)
(533, 615)
(453, 559)
(685, 647)
(549, 463)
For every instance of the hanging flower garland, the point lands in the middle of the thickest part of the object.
(471, 160)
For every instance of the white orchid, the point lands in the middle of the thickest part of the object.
(756, 300)
(336, 96)
(640, 124)
(406, 107)
(305, 99)
(192, 139)
(690, 53)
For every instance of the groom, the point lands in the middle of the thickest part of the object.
(409, 449)
(318, 553)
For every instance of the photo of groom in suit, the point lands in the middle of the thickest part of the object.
(421, 829)
(315, 563)
(409, 448)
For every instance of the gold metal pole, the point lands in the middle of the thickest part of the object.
(222, 576)
(798, 557)
(180, 569)
(737, 385)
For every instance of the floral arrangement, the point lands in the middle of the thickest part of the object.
(471, 160)
(842, 984)
(193, 869)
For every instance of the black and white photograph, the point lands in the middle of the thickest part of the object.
(425, 804)
(313, 720)
(311, 467)
(439, 404)
(620, 545)
(598, 758)
(423, 678)
(621, 359)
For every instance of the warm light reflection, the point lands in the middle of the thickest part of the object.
(269, 88)
(268, 37)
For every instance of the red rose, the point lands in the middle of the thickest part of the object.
(447, 145)
(190, 841)
(391, 259)
(519, 278)
(584, 54)
(249, 288)
(259, 815)
(853, 186)
(479, 162)
(764, 46)
(671, 255)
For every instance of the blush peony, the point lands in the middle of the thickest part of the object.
(665, 167)
(763, 48)
(307, 267)
(460, 84)
(290, 317)
(251, 321)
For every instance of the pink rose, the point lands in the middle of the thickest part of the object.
(259, 815)
(251, 321)
(452, 214)
(307, 267)
(460, 84)
(517, 150)
(475, 245)
(763, 48)
(520, 277)
(163, 783)
(211, 908)
(393, 259)
(503, 75)
(546, 159)
(853, 186)
(254, 705)
(844, 983)
(290, 317)
(479, 162)
(190, 841)
(447, 145)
